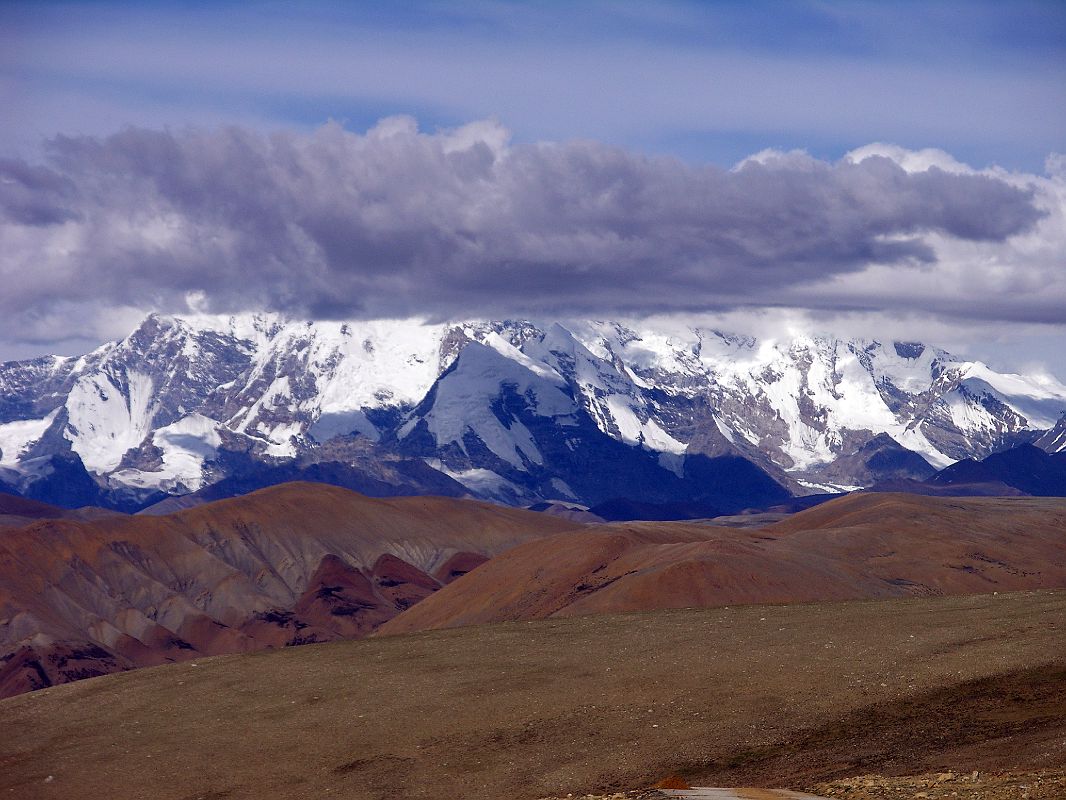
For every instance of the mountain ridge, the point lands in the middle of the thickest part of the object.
(176, 405)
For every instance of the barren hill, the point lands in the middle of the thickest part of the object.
(860, 546)
(16, 511)
(291, 564)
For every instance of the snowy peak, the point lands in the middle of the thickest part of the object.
(606, 389)
(280, 384)
(168, 407)
(1054, 440)
(481, 397)
(1037, 400)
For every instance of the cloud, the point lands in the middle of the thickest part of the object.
(34, 195)
(461, 222)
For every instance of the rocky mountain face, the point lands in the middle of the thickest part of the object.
(1026, 468)
(1054, 440)
(513, 411)
(876, 461)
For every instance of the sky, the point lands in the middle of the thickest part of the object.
(889, 169)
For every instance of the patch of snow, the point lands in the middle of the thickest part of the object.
(563, 488)
(675, 462)
(105, 422)
(914, 439)
(633, 430)
(724, 430)
(185, 445)
(509, 351)
(342, 423)
(16, 436)
(828, 488)
(482, 482)
(281, 438)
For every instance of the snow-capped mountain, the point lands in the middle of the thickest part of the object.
(1054, 440)
(515, 411)
(515, 427)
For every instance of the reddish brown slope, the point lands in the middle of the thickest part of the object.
(286, 565)
(11, 505)
(16, 511)
(861, 546)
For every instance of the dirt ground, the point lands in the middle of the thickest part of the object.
(1038, 785)
(815, 697)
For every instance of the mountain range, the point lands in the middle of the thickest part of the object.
(189, 409)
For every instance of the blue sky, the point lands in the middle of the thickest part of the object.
(708, 82)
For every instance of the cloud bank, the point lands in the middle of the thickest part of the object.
(461, 222)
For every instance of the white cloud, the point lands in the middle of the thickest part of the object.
(464, 223)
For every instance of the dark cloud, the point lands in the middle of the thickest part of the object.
(396, 222)
(34, 195)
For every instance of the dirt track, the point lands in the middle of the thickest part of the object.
(775, 696)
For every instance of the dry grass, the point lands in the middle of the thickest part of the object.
(595, 704)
